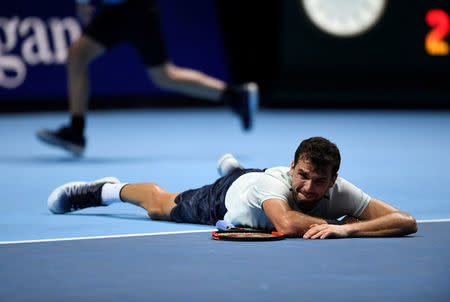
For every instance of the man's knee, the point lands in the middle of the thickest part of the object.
(156, 214)
(156, 202)
(82, 52)
(164, 74)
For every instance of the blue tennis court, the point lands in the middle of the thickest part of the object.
(116, 253)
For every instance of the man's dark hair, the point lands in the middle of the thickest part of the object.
(320, 152)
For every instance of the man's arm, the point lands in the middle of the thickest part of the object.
(286, 220)
(379, 219)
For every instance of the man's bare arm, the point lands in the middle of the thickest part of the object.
(379, 219)
(287, 221)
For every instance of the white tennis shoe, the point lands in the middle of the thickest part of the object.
(227, 163)
(78, 195)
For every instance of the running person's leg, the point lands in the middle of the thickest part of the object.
(102, 33)
(187, 81)
(81, 54)
(242, 99)
(138, 22)
(71, 137)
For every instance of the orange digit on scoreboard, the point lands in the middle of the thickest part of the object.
(435, 44)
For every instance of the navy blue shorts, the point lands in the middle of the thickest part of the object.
(135, 21)
(206, 205)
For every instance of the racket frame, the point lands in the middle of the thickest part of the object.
(267, 235)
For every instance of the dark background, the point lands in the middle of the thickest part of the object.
(299, 65)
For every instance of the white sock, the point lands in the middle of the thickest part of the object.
(111, 193)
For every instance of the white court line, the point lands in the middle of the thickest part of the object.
(104, 237)
(433, 220)
(152, 234)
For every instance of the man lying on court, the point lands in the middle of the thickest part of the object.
(303, 200)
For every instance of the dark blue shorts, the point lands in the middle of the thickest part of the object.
(206, 205)
(135, 21)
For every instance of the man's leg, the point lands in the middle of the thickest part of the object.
(71, 137)
(81, 54)
(187, 81)
(155, 200)
(243, 100)
(78, 195)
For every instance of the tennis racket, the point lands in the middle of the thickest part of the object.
(244, 234)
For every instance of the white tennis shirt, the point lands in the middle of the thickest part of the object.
(246, 195)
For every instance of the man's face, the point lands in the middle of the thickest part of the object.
(308, 184)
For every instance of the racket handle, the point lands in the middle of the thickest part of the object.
(222, 225)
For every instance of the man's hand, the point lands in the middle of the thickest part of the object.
(85, 11)
(323, 231)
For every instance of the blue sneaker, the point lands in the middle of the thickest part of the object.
(65, 138)
(227, 163)
(78, 195)
(246, 103)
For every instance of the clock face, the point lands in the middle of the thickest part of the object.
(344, 18)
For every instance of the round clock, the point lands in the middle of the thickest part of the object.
(344, 18)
